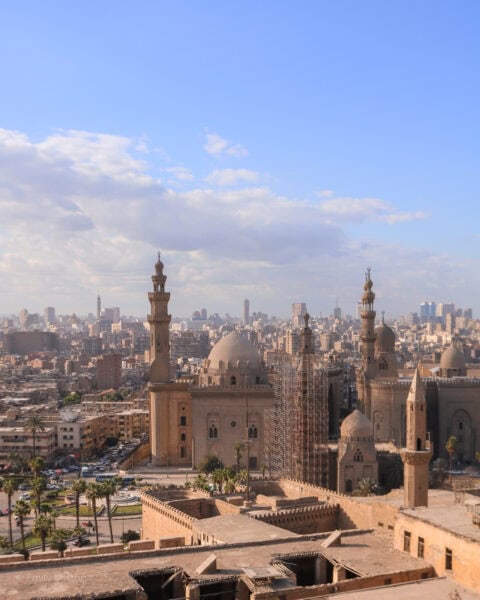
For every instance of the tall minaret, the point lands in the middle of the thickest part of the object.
(367, 334)
(418, 452)
(159, 320)
(99, 306)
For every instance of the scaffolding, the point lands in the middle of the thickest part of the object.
(299, 425)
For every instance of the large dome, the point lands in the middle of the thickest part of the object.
(452, 359)
(356, 425)
(385, 338)
(233, 348)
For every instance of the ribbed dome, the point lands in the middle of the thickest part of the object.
(452, 358)
(234, 347)
(385, 338)
(356, 425)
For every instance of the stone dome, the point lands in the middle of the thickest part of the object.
(232, 348)
(385, 338)
(452, 359)
(356, 425)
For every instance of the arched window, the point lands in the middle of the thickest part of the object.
(233, 380)
(213, 431)
(252, 431)
(383, 365)
(183, 437)
(358, 456)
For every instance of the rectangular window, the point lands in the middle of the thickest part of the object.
(448, 559)
(421, 547)
(182, 452)
(406, 541)
(183, 420)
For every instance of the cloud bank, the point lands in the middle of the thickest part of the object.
(81, 211)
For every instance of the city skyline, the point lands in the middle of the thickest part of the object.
(270, 152)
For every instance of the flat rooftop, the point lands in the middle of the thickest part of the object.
(237, 529)
(364, 552)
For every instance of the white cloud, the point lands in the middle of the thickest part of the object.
(232, 176)
(180, 173)
(80, 212)
(361, 209)
(218, 146)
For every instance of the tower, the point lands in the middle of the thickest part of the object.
(159, 320)
(368, 328)
(418, 451)
(99, 306)
(246, 311)
(309, 448)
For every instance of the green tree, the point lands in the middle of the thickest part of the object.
(10, 486)
(73, 398)
(451, 448)
(43, 527)
(79, 487)
(22, 510)
(36, 465)
(238, 448)
(34, 424)
(210, 463)
(59, 542)
(93, 493)
(108, 489)
(366, 487)
(39, 485)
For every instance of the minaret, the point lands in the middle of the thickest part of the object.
(99, 306)
(159, 320)
(418, 452)
(310, 415)
(367, 334)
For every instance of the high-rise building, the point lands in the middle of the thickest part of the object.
(99, 306)
(246, 312)
(49, 315)
(299, 309)
(109, 371)
(23, 318)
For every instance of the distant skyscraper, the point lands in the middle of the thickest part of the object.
(23, 318)
(299, 309)
(246, 311)
(337, 312)
(49, 315)
(99, 306)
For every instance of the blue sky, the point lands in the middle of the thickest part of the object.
(272, 150)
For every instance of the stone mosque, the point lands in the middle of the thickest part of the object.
(452, 398)
(226, 406)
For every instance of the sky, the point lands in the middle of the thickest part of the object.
(270, 150)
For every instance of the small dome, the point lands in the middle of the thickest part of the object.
(234, 347)
(452, 359)
(356, 425)
(385, 338)
(159, 266)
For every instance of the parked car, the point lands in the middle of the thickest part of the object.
(83, 541)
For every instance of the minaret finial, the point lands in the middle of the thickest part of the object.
(383, 317)
(306, 318)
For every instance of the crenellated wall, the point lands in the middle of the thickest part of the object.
(303, 520)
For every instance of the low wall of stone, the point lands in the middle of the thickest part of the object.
(162, 520)
(134, 457)
(303, 520)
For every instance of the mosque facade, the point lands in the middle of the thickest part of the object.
(452, 398)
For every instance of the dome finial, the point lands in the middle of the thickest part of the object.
(383, 317)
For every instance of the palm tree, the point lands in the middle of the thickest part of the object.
(78, 487)
(451, 448)
(39, 485)
(238, 447)
(366, 487)
(107, 490)
(34, 424)
(10, 486)
(58, 540)
(43, 527)
(36, 464)
(93, 492)
(22, 510)
(54, 514)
